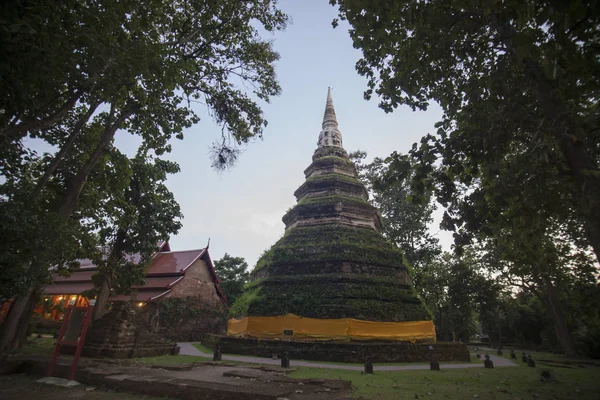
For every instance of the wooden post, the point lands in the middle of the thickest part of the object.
(61, 333)
(80, 339)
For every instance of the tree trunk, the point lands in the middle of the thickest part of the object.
(11, 323)
(65, 147)
(500, 338)
(102, 298)
(69, 200)
(593, 229)
(562, 125)
(560, 326)
(582, 166)
(23, 325)
(106, 275)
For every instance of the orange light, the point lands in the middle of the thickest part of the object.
(60, 298)
(140, 304)
(73, 297)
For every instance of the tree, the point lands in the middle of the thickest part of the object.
(233, 272)
(523, 319)
(458, 293)
(517, 82)
(163, 57)
(518, 142)
(539, 258)
(582, 307)
(406, 215)
(127, 65)
(36, 241)
(137, 219)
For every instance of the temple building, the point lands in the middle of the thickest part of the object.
(171, 274)
(186, 277)
(333, 275)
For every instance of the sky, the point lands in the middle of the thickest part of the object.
(240, 210)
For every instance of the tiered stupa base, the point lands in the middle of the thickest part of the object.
(346, 352)
(333, 276)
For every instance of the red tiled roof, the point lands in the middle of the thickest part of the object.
(164, 246)
(167, 269)
(86, 263)
(76, 276)
(173, 262)
(69, 288)
(161, 283)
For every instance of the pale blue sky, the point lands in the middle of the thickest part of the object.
(240, 210)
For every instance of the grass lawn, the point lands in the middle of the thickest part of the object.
(178, 359)
(473, 359)
(508, 383)
(538, 356)
(168, 360)
(35, 346)
(577, 380)
(203, 348)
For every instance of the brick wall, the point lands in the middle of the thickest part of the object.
(127, 331)
(347, 352)
(186, 319)
(197, 283)
(193, 307)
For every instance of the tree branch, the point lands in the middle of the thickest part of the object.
(65, 148)
(45, 123)
(74, 189)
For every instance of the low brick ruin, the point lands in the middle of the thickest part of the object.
(188, 319)
(198, 381)
(127, 331)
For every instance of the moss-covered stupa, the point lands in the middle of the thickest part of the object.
(332, 266)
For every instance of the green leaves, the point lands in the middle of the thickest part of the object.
(510, 79)
(76, 72)
(516, 152)
(406, 212)
(233, 273)
(134, 219)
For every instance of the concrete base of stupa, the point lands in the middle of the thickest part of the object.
(346, 351)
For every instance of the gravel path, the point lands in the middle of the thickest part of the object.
(188, 349)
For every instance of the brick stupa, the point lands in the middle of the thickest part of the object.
(333, 262)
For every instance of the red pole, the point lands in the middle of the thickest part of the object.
(61, 333)
(81, 341)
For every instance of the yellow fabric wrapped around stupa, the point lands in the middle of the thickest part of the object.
(330, 329)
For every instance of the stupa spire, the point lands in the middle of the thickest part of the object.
(329, 118)
(330, 134)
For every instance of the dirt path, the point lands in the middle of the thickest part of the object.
(199, 381)
(22, 387)
(188, 349)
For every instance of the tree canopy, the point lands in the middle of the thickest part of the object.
(134, 222)
(518, 83)
(406, 215)
(515, 159)
(233, 273)
(74, 73)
